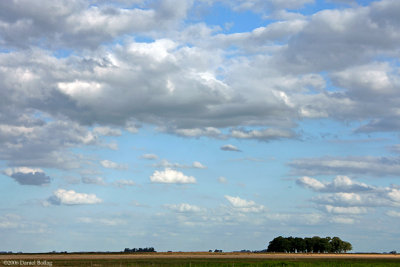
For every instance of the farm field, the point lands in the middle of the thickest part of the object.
(199, 259)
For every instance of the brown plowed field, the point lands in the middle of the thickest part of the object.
(192, 255)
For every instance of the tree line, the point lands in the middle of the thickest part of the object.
(134, 250)
(314, 244)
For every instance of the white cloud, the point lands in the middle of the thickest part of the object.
(345, 210)
(183, 208)
(107, 131)
(70, 197)
(263, 135)
(230, 147)
(112, 165)
(237, 202)
(244, 205)
(198, 165)
(26, 170)
(197, 132)
(170, 176)
(344, 196)
(339, 184)
(394, 195)
(259, 37)
(311, 183)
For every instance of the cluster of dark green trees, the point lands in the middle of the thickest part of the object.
(134, 250)
(314, 244)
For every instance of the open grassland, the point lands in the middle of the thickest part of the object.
(199, 259)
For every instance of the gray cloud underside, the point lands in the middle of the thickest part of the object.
(44, 144)
(79, 23)
(188, 81)
(374, 166)
(37, 178)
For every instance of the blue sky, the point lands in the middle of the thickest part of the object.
(191, 125)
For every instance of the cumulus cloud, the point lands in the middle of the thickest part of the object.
(70, 197)
(344, 196)
(334, 38)
(244, 205)
(230, 147)
(198, 165)
(81, 24)
(279, 81)
(170, 176)
(28, 176)
(339, 184)
(312, 183)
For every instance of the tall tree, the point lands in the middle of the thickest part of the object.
(279, 244)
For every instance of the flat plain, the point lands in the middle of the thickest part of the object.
(199, 259)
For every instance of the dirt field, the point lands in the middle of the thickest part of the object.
(194, 255)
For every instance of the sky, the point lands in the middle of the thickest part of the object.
(190, 125)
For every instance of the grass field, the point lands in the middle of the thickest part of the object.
(199, 260)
